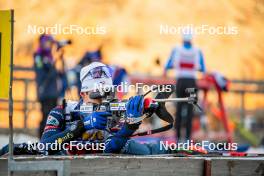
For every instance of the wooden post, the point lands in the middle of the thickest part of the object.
(11, 144)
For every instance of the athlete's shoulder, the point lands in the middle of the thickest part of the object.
(55, 116)
(57, 111)
(55, 119)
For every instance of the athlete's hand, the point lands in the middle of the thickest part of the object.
(135, 106)
(96, 120)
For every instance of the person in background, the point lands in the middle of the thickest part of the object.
(187, 60)
(46, 77)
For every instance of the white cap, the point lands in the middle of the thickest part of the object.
(88, 83)
(187, 34)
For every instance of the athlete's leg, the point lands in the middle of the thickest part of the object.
(135, 148)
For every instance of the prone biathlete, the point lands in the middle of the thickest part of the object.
(66, 124)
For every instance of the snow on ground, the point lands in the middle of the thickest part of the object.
(18, 138)
(256, 150)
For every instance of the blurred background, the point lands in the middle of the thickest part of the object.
(133, 41)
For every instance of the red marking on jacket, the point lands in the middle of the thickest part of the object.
(186, 65)
(50, 127)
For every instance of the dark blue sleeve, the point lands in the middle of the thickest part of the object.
(116, 142)
(55, 131)
(55, 128)
(54, 124)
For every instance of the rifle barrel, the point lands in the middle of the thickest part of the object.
(186, 99)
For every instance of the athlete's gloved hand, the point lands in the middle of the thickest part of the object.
(135, 106)
(96, 120)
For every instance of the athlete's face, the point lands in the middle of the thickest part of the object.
(86, 98)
